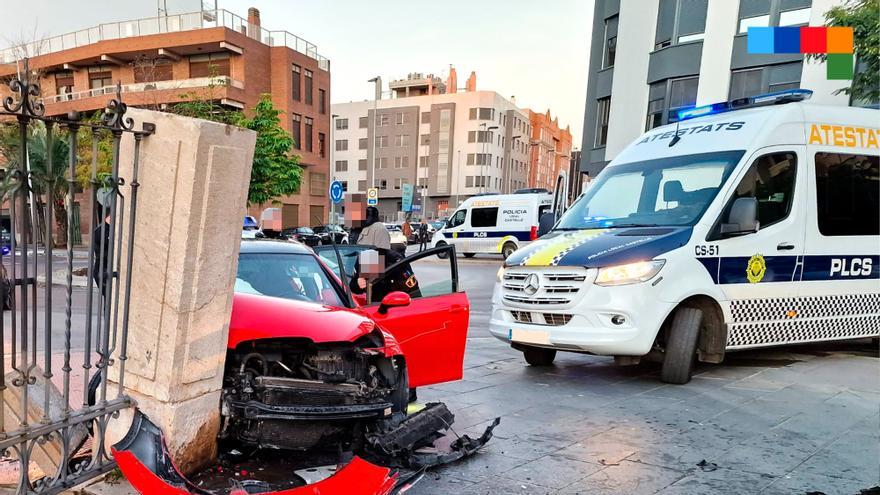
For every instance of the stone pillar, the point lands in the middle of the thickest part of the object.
(194, 177)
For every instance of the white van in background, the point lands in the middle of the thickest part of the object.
(494, 223)
(756, 223)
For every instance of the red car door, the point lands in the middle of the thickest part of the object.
(432, 329)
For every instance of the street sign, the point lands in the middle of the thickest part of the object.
(336, 192)
(372, 196)
(416, 207)
(406, 201)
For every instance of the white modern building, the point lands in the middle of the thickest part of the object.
(450, 144)
(650, 57)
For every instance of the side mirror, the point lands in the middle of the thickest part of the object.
(743, 217)
(546, 222)
(393, 300)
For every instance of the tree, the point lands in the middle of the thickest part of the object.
(276, 172)
(864, 17)
(43, 179)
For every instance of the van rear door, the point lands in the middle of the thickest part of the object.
(758, 272)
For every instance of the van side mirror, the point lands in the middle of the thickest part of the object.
(743, 217)
(546, 222)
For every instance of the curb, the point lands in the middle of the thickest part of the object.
(59, 279)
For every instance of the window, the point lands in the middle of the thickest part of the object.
(401, 161)
(756, 21)
(381, 141)
(342, 165)
(362, 143)
(846, 194)
(308, 89)
(153, 70)
(745, 83)
(799, 17)
(322, 150)
(363, 122)
(425, 140)
(479, 159)
(400, 118)
(362, 185)
(770, 180)
(381, 162)
(423, 161)
(344, 185)
(317, 184)
(680, 21)
(296, 131)
(341, 124)
(382, 119)
(458, 218)
(603, 109)
(342, 145)
(297, 85)
(383, 184)
(784, 76)
(610, 42)
(322, 101)
(209, 65)
(308, 134)
(401, 140)
(100, 76)
(302, 270)
(484, 217)
(480, 136)
(426, 117)
(362, 164)
(398, 183)
(482, 114)
(683, 92)
(63, 82)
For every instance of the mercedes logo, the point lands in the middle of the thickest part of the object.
(533, 283)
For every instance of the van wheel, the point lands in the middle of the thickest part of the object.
(508, 249)
(444, 254)
(469, 255)
(681, 346)
(539, 356)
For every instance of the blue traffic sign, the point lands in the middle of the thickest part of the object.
(336, 192)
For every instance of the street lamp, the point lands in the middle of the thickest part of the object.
(332, 174)
(371, 143)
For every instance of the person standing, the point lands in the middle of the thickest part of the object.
(423, 235)
(407, 229)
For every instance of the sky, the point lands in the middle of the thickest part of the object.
(536, 51)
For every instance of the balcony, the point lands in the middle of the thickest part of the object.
(180, 84)
(204, 19)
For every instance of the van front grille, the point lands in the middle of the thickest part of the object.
(551, 319)
(547, 288)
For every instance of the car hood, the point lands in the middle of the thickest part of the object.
(600, 247)
(262, 317)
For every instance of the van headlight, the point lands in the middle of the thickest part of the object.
(631, 273)
(500, 275)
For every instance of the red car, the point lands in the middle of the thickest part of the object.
(311, 366)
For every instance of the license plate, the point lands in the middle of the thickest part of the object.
(530, 336)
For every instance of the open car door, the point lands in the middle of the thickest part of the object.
(432, 329)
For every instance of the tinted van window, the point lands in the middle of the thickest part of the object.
(848, 194)
(484, 217)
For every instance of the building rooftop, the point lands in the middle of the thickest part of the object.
(191, 21)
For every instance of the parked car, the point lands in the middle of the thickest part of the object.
(304, 235)
(340, 236)
(414, 237)
(398, 240)
(250, 229)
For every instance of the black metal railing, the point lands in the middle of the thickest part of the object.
(43, 426)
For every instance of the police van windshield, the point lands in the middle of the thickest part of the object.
(672, 191)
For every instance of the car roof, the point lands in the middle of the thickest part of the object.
(261, 246)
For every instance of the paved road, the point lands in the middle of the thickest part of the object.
(793, 420)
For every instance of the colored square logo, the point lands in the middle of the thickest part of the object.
(760, 39)
(839, 66)
(787, 40)
(840, 40)
(813, 40)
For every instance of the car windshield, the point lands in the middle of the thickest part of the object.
(392, 227)
(288, 276)
(304, 230)
(672, 191)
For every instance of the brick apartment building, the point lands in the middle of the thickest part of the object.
(550, 151)
(214, 53)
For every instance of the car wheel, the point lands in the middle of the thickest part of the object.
(508, 249)
(681, 346)
(401, 394)
(469, 255)
(444, 254)
(539, 356)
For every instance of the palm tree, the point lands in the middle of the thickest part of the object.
(43, 180)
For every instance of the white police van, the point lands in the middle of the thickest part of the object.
(494, 223)
(747, 224)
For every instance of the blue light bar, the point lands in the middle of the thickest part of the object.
(776, 98)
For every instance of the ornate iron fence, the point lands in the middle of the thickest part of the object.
(45, 427)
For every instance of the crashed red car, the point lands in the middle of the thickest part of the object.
(313, 369)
